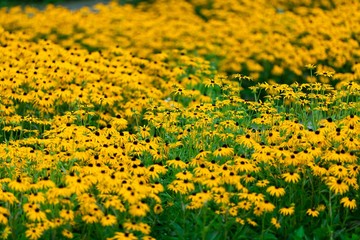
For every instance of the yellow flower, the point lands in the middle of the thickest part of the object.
(7, 197)
(4, 215)
(310, 66)
(348, 203)
(89, 218)
(268, 206)
(241, 77)
(141, 227)
(183, 184)
(176, 163)
(213, 82)
(66, 233)
(258, 210)
(178, 91)
(312, 212)
(139, 210)
(67, 215)
(6, 232)
(114, 202)
(243, 165)
(223, 151)
(211, 180)
(36, 197)
(158, 209)
(199, 199)
(321, 208)
(251, 222)
(108, 220)
(248, 178)
(325, 73)
(262, 183)
(20, 184)
(276, 191)
(338, 171)
(247, 141)
(123, 236)
(246, 205)
(34, 233)
(144, 131)
(338, 186)
(148, 238)
(275, 223)
(291, 177)
(222, 198)
(240, 221)
(287, 211)
(36, 214)
(254, 197)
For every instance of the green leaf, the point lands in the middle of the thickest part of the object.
(178, 229)
(213, 235)
(355, 237)
(270, 236)
(300, 233)
(321, 233)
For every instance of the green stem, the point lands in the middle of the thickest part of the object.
(205, 228)
(263, 227)
(345, 218)
(331, 218)
(183, 208)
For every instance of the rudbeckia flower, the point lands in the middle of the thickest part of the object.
(291, 177)
(287, 211)
(276, 191)
(312, 212)
(348, 203)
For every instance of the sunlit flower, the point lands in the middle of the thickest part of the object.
(275, 223)
(251, 222)
(89, 218)
(34, 233)
(310, 66)
(35, 214)
(140, 209)
(66, 233)
(276, 191)
(348, 203)
(262, 183)
(338, 186)
(158, 209)
(291, 177)
(4, 216)
(287, 211)
(123, 236)
(6, 232)
(141, 227)
(108, 220)
(312, 212)
(67, 215)
(223, 151)
(321, 207)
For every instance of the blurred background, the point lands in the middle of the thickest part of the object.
(67, 3)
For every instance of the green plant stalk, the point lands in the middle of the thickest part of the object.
(345, 218)
(183, 210)
(263, 227)
(205, 228)
(331, 236)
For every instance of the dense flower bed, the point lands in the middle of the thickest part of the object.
(180, 120)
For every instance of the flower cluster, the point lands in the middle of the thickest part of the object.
(129, 129)
(278, 41)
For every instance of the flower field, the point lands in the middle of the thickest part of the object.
(181, 119)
